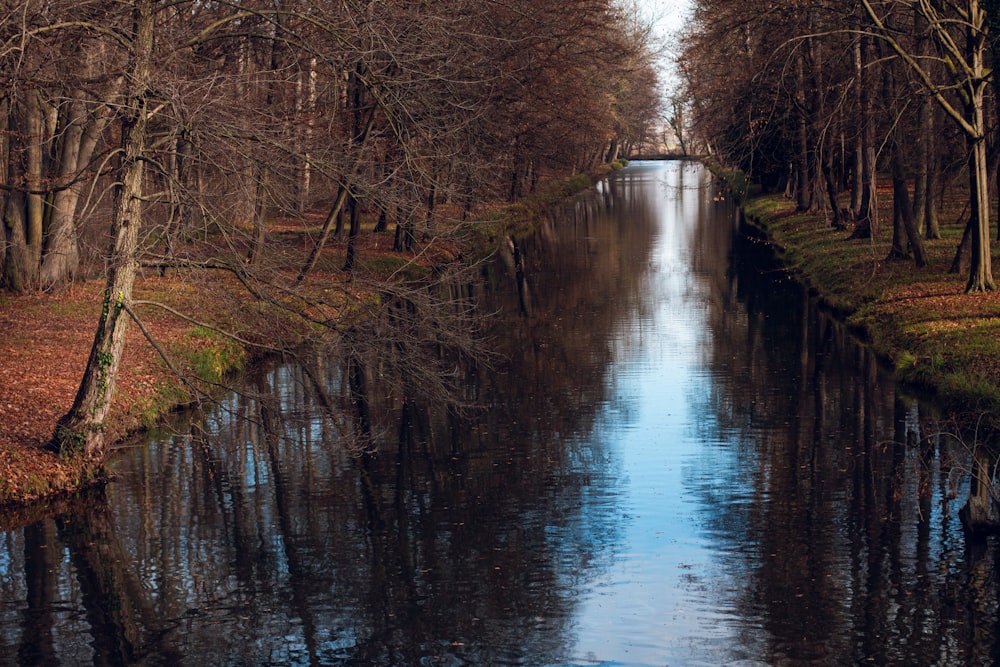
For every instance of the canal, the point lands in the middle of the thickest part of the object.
(670, 457)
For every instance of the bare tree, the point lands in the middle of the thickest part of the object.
(81, 430)
(55, 117)
(960, 33)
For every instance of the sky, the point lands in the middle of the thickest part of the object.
(669, 13)
(668, 17)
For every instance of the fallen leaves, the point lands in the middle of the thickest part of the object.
(44, 343)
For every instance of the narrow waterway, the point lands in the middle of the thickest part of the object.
(673, 458)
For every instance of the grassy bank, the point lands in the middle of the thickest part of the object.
(937, 338)
(46, 338)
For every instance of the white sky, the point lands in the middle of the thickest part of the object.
(668, 17)
(669, 13)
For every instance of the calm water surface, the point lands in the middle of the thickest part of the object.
(673, 460)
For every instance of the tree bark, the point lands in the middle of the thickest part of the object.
(837, 219)
(858, 144)
(924, 129)
(259, 235)
(980, 269)
(923, 195)
(867, 225)
(905, 236)
(81, 430)
(803, 193)
(904, 228)
(23, 211)
(932, 222)
(305, 104)
(980, 264)
(354, 207)
(80, 137)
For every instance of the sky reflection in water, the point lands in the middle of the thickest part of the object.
(666, 598)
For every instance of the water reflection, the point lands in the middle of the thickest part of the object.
(846, 513)
(675, 459)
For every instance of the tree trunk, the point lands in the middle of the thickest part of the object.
(305, 102)
(981, 512)
(904, 229)
(23, 211)
(259, 236)
(405, 238)
(332, 216)
(922, 195)
(980, 264)
(81, 430)
(865, 214)
(803, 194)
(19, 273)
(837, 220)
(980, 268)
(4, 240)
(932, 222)
(905, 236)
(900, 209)
(4, 176)
(353, 232)
(998, 203)
(429, 213)
(33, 200)
(79, 141)
(924, 130)
(859, 144)
(971, 79)
(338, 204)
(182, 211)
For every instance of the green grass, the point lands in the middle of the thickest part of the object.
(395, 267)
(209, 354)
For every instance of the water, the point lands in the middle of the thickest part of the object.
(674, 459)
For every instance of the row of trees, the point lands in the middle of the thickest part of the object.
(849, 89)
(134, 129)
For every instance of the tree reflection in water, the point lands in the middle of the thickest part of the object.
(844, 515)
(399, 500)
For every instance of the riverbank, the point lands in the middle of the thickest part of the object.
(939, 340)
(45, 338)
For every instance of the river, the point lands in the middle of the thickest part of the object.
(673, 457)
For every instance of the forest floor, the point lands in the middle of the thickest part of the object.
(939, 340)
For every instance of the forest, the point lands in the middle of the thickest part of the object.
(828, 96)
(238, 140)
